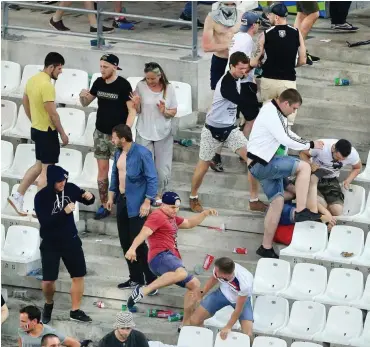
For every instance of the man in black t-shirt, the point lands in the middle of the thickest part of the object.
(123, 334)
(281, 43)
(114, 107)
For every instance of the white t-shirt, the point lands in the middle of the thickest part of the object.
(324, 157)
(241, 285)
(152, 125)
(242, 42)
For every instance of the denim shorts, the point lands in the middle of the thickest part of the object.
(272, 175)
(166, 261)
(216, 301)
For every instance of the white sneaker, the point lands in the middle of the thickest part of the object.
(17, 203)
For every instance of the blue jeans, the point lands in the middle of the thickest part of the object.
(216, 301)
(272, 175)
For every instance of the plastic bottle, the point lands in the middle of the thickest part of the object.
(184, 142)
(281, 150)
(341, 82)
(159, 313)
(175, 317)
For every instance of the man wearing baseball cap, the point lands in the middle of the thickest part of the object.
(124, 334)
(114, 107)
(281, 43)
(160, 229)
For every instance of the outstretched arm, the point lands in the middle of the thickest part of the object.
(197, 219)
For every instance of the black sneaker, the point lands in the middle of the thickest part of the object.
(105, 30)
(313, 58)
(127, 285)
(46, 313)
(347, 27)
(79, 316)
(306, 215)
(153, 293)
(309, 60)
(135, 297)
(58, 25)
(267, 253)
(183, 16)
(216, 164)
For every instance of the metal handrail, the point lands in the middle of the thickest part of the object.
(99, 35)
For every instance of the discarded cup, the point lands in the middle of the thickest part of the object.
(240, 250)
(99, 304)
(208, 261)
(341, 82)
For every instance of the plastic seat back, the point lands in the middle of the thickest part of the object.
(10, 76)
(89, 131)
(233, 339)
(134, 81)
(73, 122)
(309, 237)
(28, 72)
(69, 85)
(21, 241)
(2, 236)
(183, 97)
(24, 158)
(354, 200)
(4, 195)
(6, 155)
(345, 238)
(195, 336)
(8, 115)
(71, 160)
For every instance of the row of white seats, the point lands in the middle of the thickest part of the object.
(310, 241)
(73, 121)
(70, 83)
(310, 282)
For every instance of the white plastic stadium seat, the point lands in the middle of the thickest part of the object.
(28, 72)
(6, 155)
(344, 287)
(363, 260)
(8, 115)
(93, 79)
(363, 217)
(304, 344)
(233, 339)
(87, 179)
(309, 238)
(221, 318)
(307, 318)
(364, 302)
(22, 128)
(21, 244)
(24, 158)
(10, 77)
(73, 122)
(71, 160)
(271, 314)
(343, 238)
(364, 176)
(342, 325)
(4, 195)
(264, 341)
(133, 129)
(183, 97)
(2, 236)
(364, 339)
(28, 204)
(69, 85)
(308, 281)
(87, 139)
(272, 276)
(354, 202)
(195, 336)
(134, 81)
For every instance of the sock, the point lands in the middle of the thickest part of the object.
(56, 18)
(253, 200)
(194, 197)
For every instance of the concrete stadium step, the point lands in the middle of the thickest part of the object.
(328, 70)
(324, 90)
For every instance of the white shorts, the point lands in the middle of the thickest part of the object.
(209, 145)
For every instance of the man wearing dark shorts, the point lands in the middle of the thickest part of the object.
(54, 206)
(164, 258)
(39, 106)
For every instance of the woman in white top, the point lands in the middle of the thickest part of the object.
(156, 104)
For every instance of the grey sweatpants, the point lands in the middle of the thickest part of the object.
(162, 151)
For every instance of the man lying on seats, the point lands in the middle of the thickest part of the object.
(326, 164)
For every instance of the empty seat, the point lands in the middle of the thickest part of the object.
(233, 339)
(71, 160)
(363, 217)
(304, 344)
(183, 97)
(308, 280)
(342, 325)
(221, 318)
(22, 128)
(10, 76)
(195, 336)
(134, 81)
(24, 158)
(73, 122)
(69, 85)
(87, 139)
(264, 341)
(6, 155)
(2, 236)
(364, 339)
(271, 314)
(308, 239)
(8, 115)
(21, 244)
(365, 175)
(307, 318)
(28, 72)
(343, 238)
(364, 301)
(272, 276)
(354, 202)
(4, 195)
(93, 79)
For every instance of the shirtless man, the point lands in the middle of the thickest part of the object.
(219, 28)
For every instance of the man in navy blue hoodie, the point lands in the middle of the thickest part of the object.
(54, 206)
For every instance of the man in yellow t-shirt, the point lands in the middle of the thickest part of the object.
(39, 105)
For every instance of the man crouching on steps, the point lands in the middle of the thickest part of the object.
(164, 258)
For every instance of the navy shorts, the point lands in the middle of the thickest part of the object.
(166, 261)
(218, 67)
(47, 147)
(216, 301)
(271, 176)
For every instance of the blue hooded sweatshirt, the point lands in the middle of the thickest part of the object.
(56, 226)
